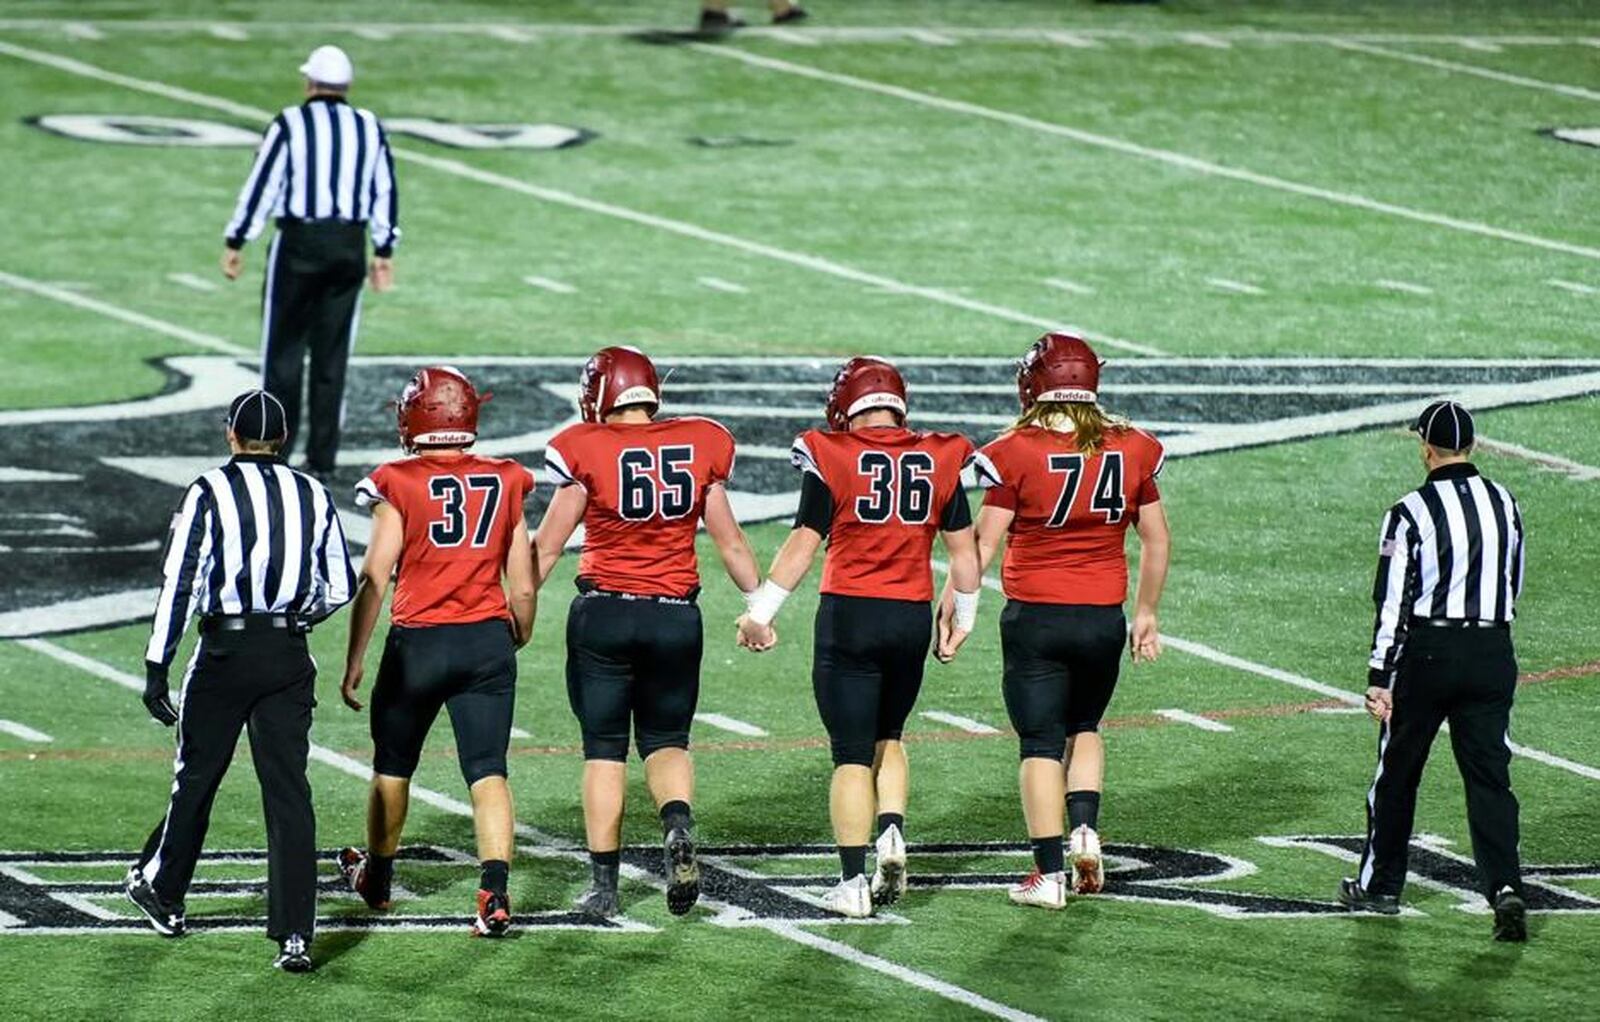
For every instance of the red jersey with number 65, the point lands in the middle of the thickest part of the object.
(1072, 511)
(892, 490)
(647, 487)
(460, 512)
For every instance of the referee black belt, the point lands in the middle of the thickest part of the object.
(587, 589)
(1450, 622)
(250, 623)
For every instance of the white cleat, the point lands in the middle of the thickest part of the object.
(1041, 890)
(1088, 869)
(851, 898)
(889, 878)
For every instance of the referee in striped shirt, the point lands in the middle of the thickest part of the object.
(325, 172)
(256, 549)
(1449, 575)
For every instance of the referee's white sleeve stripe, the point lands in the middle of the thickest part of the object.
(260, 192)
(1396, 538)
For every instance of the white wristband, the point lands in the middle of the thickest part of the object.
(763, 604)
(966, 610)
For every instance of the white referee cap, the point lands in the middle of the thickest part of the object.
(329, 65)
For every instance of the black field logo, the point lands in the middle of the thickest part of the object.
(88, 492)
(197, 132)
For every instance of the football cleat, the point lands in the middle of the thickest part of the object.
(166, 919)
(851, 898)
(494, 915)
(353, 867)
(889, 878)
(600, 900)
(1352, 897)
(718, 22)
(294, 954)
(683, 872)
(1510, 917)
(1042, 890)
(1088, 869)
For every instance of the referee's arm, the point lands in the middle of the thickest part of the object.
(258, 197)
(1392, 592)
(333, 564)
(184, 568)
(384, 219)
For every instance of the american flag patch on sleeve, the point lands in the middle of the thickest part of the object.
(1388, 547)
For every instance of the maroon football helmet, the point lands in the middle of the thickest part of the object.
(438, 408)
(614, 378)
(1059, 367)
(862, 384)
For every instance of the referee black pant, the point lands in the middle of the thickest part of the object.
(1466, 676)
(261, 679)
(311, 302)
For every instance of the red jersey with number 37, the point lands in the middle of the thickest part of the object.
(890, 487)
(460, 512)
(1066, 542)
(647, 487)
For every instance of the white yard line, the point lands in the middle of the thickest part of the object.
(510, 34)
(519, 733)
(1552, 462)
(1573, 286)
(193, 337)
(725, 286)
(793, 38)
(1166, 156)
(1236, 286)
(1069, 286)
(192, 282)
(561, 198)
(1459, 67)
(1206, 40)
(232, 33)
(9, 474)
(732, 724)
(1403, 286)
(930, 38)
(1075, 40)
(23, 732)
(1194, 720)
(549, 284)
(82, 30)
(967, 724)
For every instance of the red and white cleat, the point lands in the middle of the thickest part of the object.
(494, 915)
(1041, 890)
(1088, 869)
(353, 867)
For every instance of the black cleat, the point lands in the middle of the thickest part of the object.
(294, 954)
(1510, 917)
(683, 872)
(352, 864)
(719, 22)
(166, 919)
(600, 900)
(789, 17)
(494, 915)
(1352, 897)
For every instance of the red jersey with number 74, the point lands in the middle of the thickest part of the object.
(460, 512)
(1072, 511)
(647, 484)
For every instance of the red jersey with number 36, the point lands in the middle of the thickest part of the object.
(647, 487)
(1072, 512)
(890, 487)
(460, 512)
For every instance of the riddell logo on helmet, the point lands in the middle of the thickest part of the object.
(1069, 394)
(882, 399)
(635, 396)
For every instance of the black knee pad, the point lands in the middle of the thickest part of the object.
(651, 742)
(854, 753)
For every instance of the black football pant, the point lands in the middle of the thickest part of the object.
(261, 680)
(1466, 676)
(311, 302)
(866, 670)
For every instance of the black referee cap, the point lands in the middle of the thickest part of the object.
(257, 415)
(1446, 425)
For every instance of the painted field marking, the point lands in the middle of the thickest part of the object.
(1480, 45)
(930, 38)
(519, 733)
(193, 337)
(1069, 286)
(725, 286)
(561, 198)
(793, 38)
(232, 33)
(1459, 67)
(1341, 710)
(1205, 39)
(192, 282)
(509, 34)
(732, 724)
(1573, 286)
(23, 732)
(1167, 156)
(11, 474)
(1075, 40)
(1403, 286)
(967, 724)
(373, 32)
(1194, 720)
(1552, 462)
(548, 284)
(1236, 286)
(82, 30)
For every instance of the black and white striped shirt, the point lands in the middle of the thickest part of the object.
(1451, 549)
(251, 537)
(321, 160)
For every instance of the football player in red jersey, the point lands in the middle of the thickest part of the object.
(446, 526)
(640, 487)
(1064, 484)
(878, 492)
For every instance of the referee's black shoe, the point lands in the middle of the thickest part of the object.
(1510, 917)
(294, 954)
(1352, 897)
(165, 918)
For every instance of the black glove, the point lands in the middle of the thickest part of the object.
(156, 699)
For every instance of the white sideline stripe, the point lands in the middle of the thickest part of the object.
(508, 34)
(24, 732)
(1573, 286)
(1402, 285)
(572, 201)
(1166, 156)
(785, 35)
(1076, 40)
(374, 32)
(517, 732)
(1202, 39)
(967, 724)
(727, 723)
(718, 284)
(1070, 286)
(1194, 719)
(1236, 286)
(1575, 91)
(550, 285)
(191, 281)
(555, 846)
(193, 337)
(232, 33)
(1553, 462)
(931, 38)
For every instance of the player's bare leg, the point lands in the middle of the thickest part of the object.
(670, 775)
(605, 787)
(493, 820)
(371, 873)
(1043, 785)
(891, 775)
(1084, 768)
(851, 801)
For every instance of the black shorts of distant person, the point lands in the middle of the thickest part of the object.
(715, 18)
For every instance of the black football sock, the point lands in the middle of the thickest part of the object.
(604, 867)
(380, 869)
(1083, 809)
(1047, 854)
(676, 814)
(852, 860)
(495, 874)
(887, 820)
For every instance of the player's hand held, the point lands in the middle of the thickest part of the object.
(157, 699)
(757, 638)
(947, 643)
(352, 681)
(1380, 703)
(232, 263)
(1144, 641)
(381, 274)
